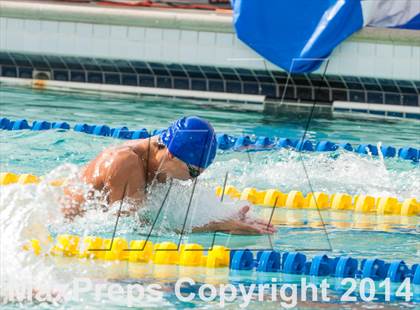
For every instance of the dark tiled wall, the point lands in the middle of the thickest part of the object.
(273, 84)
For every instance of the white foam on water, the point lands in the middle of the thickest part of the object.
(33, 211)
(327, 172)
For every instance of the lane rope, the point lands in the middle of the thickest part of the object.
(194, 255)
(381, 205)
(225, 142)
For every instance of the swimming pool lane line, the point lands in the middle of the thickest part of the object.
(225, 142)
(383, 205)
(194, 255)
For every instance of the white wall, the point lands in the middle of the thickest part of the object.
(191, 47)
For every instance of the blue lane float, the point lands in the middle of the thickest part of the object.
(323, 266)
(409, 153)
(326, 146)
(304, 145)
(225, 141)
(367, 148)
(60, 125)
(41, 125)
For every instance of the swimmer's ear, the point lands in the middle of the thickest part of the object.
(170, 156)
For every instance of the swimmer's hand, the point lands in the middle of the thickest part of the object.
(241, 225)
(72, 211)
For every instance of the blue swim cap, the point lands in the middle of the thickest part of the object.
(192, 140)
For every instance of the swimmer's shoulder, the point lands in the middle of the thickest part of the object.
(141, 147)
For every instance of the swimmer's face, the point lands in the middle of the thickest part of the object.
(177, 169)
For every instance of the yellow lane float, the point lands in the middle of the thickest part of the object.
(319, 200)
(273, 197)
(8, 178)
(135, 251)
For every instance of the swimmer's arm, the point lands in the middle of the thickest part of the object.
(72, 203)
(241, 225)
(236, 227)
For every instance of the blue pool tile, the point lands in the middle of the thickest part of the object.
(322, 94)
(180, 83)
(246, 75)
(410, 100)
(263, 76)
(318, 80)
(377, 112)
(21, 60)
(95, 77)
(217, 86)
(229, 74)
(335, 81)
(211, 72)
(268, 90)
(8, 71)
(193, 71)
(359, 110)
(112, 78)
(301, 80)
(123, 66)
(38, 62)
(6, 59)
(141, 67)
(73, 63)
(147, 80)
(129, 79)
(233, 87)
(391, 98)
(163, 82)
(370, 83)
(339, 95)
(90, 64)
(396, 114)
(78, 76)
(412, 115)
(106, 65)
(251, 88)
(305, 93)
(25, 73)
(176, 70)
(388, 85)
(406, 86)
(357, 96)
(341, 110)
(417, 85)
(159, 69)
(288, 92)
(61, 75)
(375, 97)
(196, 74)
(55, 62)
(199, 84)
(353, 82)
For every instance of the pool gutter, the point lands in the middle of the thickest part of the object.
(225, 100)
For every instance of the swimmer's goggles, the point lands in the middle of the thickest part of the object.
(194, 172)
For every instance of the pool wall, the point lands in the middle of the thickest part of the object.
(195, 54)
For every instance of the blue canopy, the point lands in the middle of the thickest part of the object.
(297, 35)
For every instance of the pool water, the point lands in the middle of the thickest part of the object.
(33, 211)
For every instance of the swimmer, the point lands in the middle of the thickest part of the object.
(182, 151)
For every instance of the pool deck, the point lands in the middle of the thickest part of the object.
(182, 19)
(195, 54)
